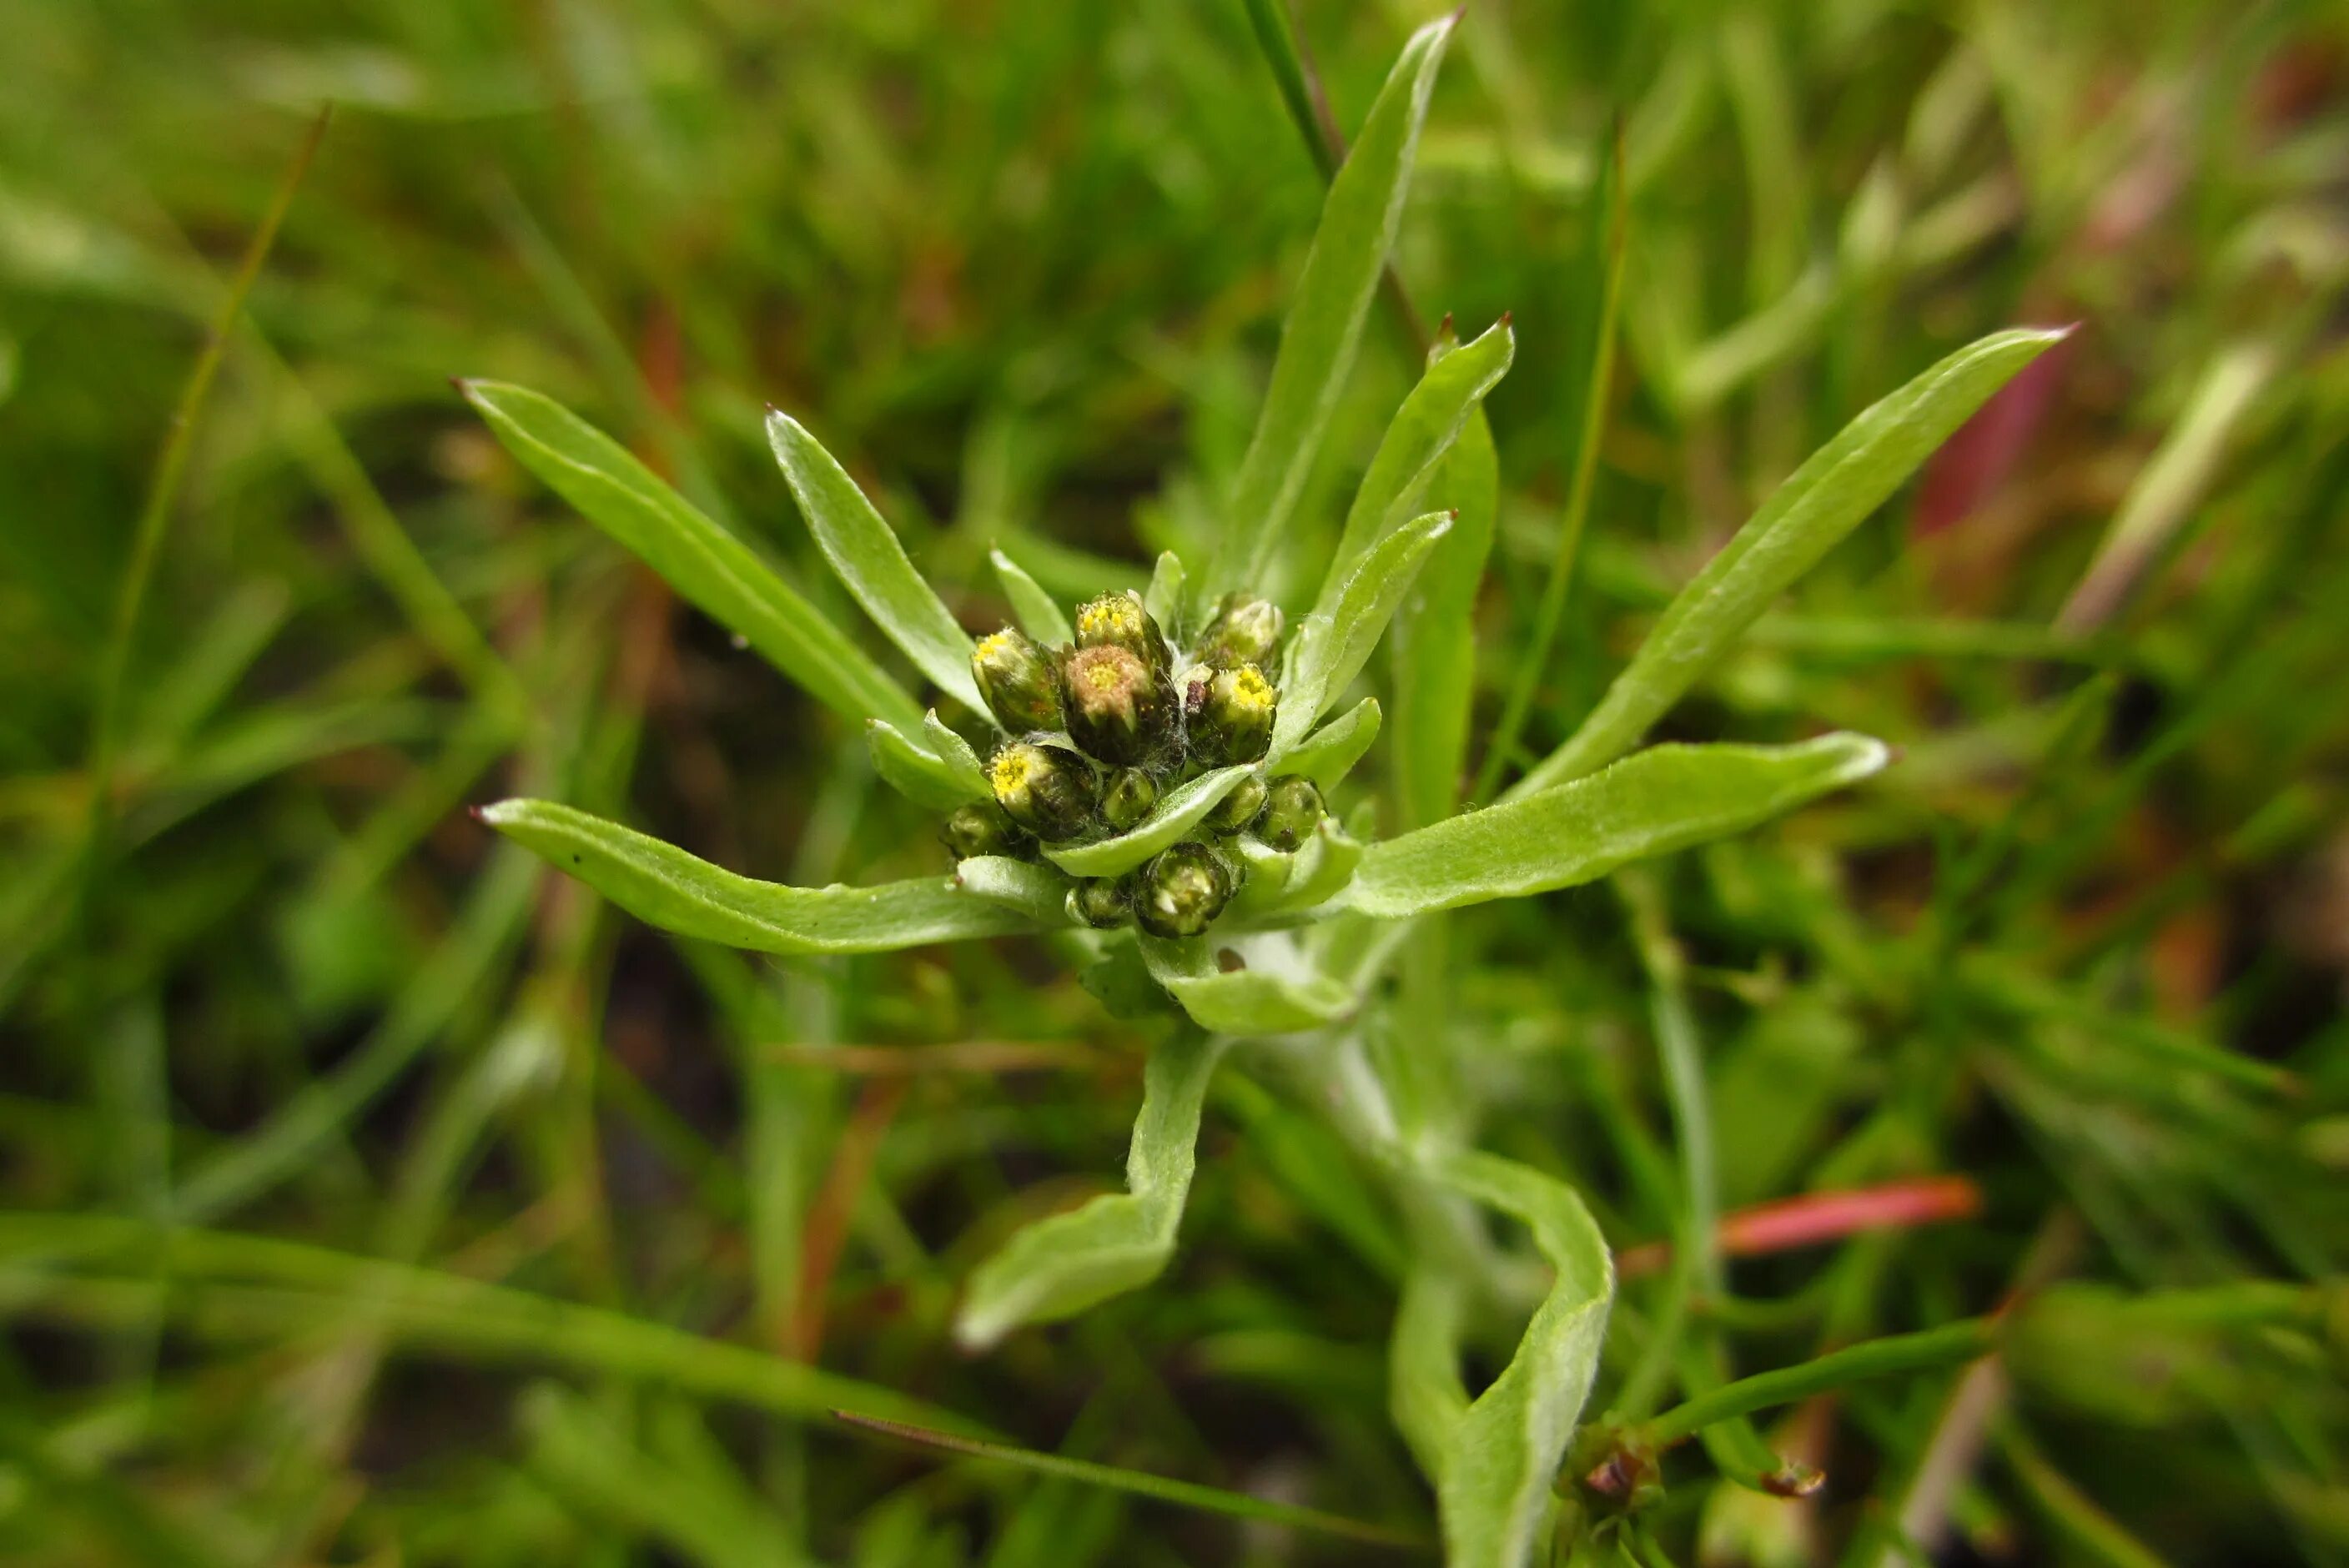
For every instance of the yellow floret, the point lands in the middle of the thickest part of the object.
(994, 643)
(1252, 690)
(1010, 772)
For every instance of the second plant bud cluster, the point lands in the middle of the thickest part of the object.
(1104, 727)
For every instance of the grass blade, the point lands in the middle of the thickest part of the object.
(700, 560)
(1141, 1483)
(1824, 499)
(1277, 36)
(1592, 349)
(163, 490)
(2168, 490)
(1889, 1356)
(231, 1280)
(1325, 324)
(1666, 797)
(871, 562)
(662, 885)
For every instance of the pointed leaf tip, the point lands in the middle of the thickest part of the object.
(871, 561)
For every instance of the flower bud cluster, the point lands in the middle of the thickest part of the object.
(1101, 729)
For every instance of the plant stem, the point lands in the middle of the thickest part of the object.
(164, 493)
(1607, 243)
(1141, 1483)
(1887, 1358)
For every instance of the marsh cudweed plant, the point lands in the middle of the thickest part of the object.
(1162, 785)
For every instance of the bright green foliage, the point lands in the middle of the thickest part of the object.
(868, 559)
(1178, 812)
(1498, 1457)
(1433, 642)
(1324, 326)
(700, 560)
(1040, 614)
(1440, 409)
(1491, 1459)
(662, 884)
(1031, 890)
(915, 772)
(1058, 1267)
(1666, 797)
(673, 1203)
(1330, 753)
(1824, 500)
(1242, 1001)
(1330, 650)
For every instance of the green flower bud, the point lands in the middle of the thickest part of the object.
(1246, 631)
(1183, 891)
(1129, 798)
(1102, 903)
(1119, 708)
(1119, 621)
(982, 829)
(1047, 790)
(1230, 712)
(1235, 811)
(1016, 676)
(1292, 809)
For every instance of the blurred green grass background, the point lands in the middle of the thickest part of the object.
(1023, 267)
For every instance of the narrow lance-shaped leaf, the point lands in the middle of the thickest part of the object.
(1317, 874)
(1499, 1462)
(1325, 662)
(864, 552)
(1664, 799)
(908, 767)
(1262, 998)
(1179, 810)
(664, 886)
(953, 752)
(1425, 1398)
(1330, 753)
(1431, 648)
(1268, 873)
(1163, 597)
(1324, 327)
(1824, 499)
(700, 560)
(1432, 417)
(1059, 1266)
(1039, 893)
(1039, 613)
